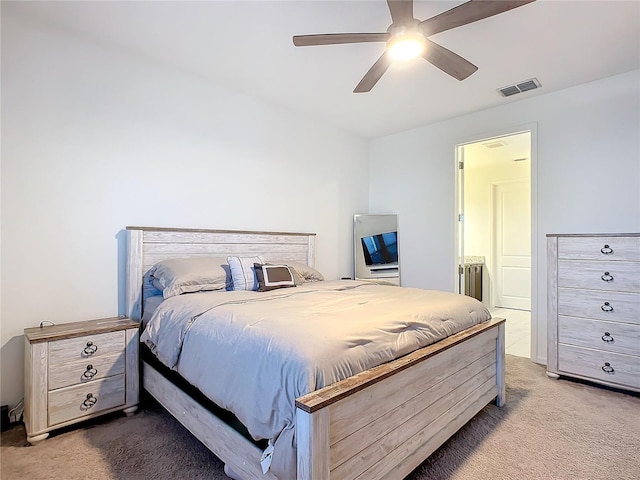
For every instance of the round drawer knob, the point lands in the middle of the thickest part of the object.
(90, 349)
(606, 250)
(607, 277)
(606, 307)
(607, 338)
(607, 368)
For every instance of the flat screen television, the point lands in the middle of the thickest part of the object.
(380, 249)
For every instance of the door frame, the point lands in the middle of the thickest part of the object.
(537, 304)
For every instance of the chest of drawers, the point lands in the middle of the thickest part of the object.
(76, 371)
(593, 302)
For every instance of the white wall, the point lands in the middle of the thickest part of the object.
(588, 176)
(95, 139)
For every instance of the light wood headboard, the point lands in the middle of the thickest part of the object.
(148, 245)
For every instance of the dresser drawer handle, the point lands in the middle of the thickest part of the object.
(607, 277)
(90, 401)
(606, 250)
(607, 338)
(607, 368)
(90, 372)
(606, 307)
(90, 349)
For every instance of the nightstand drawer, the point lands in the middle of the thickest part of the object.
(614, 368)
(609, 306)
(81, 400)
(596, 334)
(599, 248)
(610, 276)
(86, 370)
(85, 347)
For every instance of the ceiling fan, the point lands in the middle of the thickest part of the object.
(407, 37)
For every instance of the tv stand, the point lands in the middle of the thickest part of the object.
(384, 269)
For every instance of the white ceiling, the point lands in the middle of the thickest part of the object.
(246, 46)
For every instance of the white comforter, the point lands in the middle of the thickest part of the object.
(254, 353)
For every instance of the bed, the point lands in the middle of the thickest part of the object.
(379, 423)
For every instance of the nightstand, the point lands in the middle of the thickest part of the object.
(77, 371)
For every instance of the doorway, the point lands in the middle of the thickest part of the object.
(495, 229)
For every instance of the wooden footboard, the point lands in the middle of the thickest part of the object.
(382, 423)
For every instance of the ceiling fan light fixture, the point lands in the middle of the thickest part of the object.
(407, 46)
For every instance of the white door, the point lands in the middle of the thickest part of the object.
(512, 235)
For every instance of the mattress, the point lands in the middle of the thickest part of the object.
(254, 353)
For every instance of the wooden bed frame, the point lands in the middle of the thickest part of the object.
(379, 424)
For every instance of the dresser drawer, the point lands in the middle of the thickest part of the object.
(599, 248)
(607, 336)
(610, 306)
(85, 347)
(86, 370)
(81, 400)
(588, 363)
(591, 275)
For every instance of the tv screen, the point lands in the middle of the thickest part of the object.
(380, 249)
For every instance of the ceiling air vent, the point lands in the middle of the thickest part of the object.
(525, 86)
(496, 144)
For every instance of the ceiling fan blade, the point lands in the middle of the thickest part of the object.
(374, 74)
(469, 12)
(447, 61)
(337, 38)
(401, 11)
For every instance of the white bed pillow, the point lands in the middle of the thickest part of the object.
(176, 276)
(243, 273)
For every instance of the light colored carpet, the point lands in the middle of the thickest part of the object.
(549, 429)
